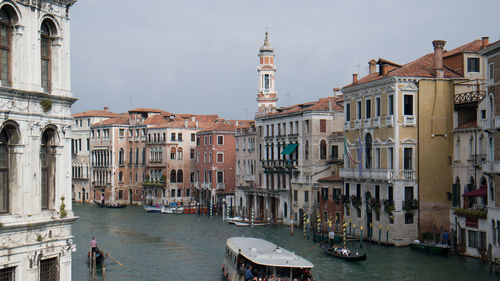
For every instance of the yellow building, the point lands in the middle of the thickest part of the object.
(398, 130)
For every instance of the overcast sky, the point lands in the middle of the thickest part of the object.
(200, 56)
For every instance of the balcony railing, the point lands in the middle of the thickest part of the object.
(367, 123)
(409, 120)
(221, 186)
(287, 163)
(389, 121)
(376, 121)
(379, 174)
(206, 185)
(347, 125)
(357, 124)
(477, 159)
(301, 180)
(293, 135)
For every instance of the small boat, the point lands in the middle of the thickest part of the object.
(248, 223)
(329, 251)
(265, 257)
(112, 206)
(153, 208)
(440, 249)
(99, 257)
(173, 209)
(233, 219)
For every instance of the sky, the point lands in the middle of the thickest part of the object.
(200, 57)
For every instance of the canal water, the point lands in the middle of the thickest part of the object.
(191, 247)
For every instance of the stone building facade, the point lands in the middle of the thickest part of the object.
(80, 152)
(35, 141)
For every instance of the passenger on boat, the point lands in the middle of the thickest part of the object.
(248, 273)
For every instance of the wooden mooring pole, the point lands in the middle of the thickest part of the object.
(103, 267)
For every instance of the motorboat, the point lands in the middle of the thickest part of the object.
(264, 259)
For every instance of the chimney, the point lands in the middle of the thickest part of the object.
(193, 118)
(330, 105)
(438, 58)
(106, 108)
(485, 41)
(372, 66)
(354, 78)
(185, 123)
(196, 123)
(237, 123)
(336, 92)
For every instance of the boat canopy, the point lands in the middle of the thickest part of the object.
(262, 252)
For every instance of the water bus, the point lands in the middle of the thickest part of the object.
(263, 259)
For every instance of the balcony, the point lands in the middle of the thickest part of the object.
(497, 122)
(301, 180)
(477, 159)
(409, 120)
(287, 163)
(206, 185)
(221, 186)
(154, 183)
(247, 178)
(196, 184)
(347, 125)
(376, 121)
(367, 123)
(488, 123)
(357, 124)
(293, 135)
(389, 121)
(268, 138)
(378, 174)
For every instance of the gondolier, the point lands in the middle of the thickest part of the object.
(93, 245)
(331, 237)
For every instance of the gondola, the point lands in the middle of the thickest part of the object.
(99, 257)
(329, 251)
(114, 206)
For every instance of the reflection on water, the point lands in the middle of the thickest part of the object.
(191, 247)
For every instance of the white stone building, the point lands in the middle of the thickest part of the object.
(35, 140)
(80, 152)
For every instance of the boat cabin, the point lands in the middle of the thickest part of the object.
(264, 259)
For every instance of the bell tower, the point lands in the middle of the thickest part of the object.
(266, 95)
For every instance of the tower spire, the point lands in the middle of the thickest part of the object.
(266, 95)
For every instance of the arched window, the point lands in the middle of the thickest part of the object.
(121, 156)
(6, 24)
(120, 176)
(137, 156)
(322, 149)
(172, 153)
(159, 154)
(47, 32)
(493, 232)
(143, 156)
(306, 149)
(48, 165)
(179, 153)
(368, 151)
(8, 135)
(172, 176)
(285, 210)
(180, 176)
(130, 156)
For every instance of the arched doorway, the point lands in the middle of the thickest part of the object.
(83, 195)
(130, 193)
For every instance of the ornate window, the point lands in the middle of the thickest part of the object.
(46, 32)
(4, 171)
(5, 46)
(322, 149)
(172, 153)
(368, 151)
(121, 156)
(172, 176)
(48, 164)
(180, 176)
(179, 153)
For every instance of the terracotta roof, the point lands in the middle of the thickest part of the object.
(220, 126)
(321, 105)
(152, 110)
(121, 120)
(331, 179)
(474, 46)
(469, 124)
(421, 67)
(95, 113)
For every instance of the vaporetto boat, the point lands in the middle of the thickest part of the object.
(262, 259)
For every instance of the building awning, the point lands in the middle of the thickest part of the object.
(289, 149)
(482, 191)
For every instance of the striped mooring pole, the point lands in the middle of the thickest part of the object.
(304, 222)
(252, 217)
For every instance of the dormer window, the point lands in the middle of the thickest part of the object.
(473, 65)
